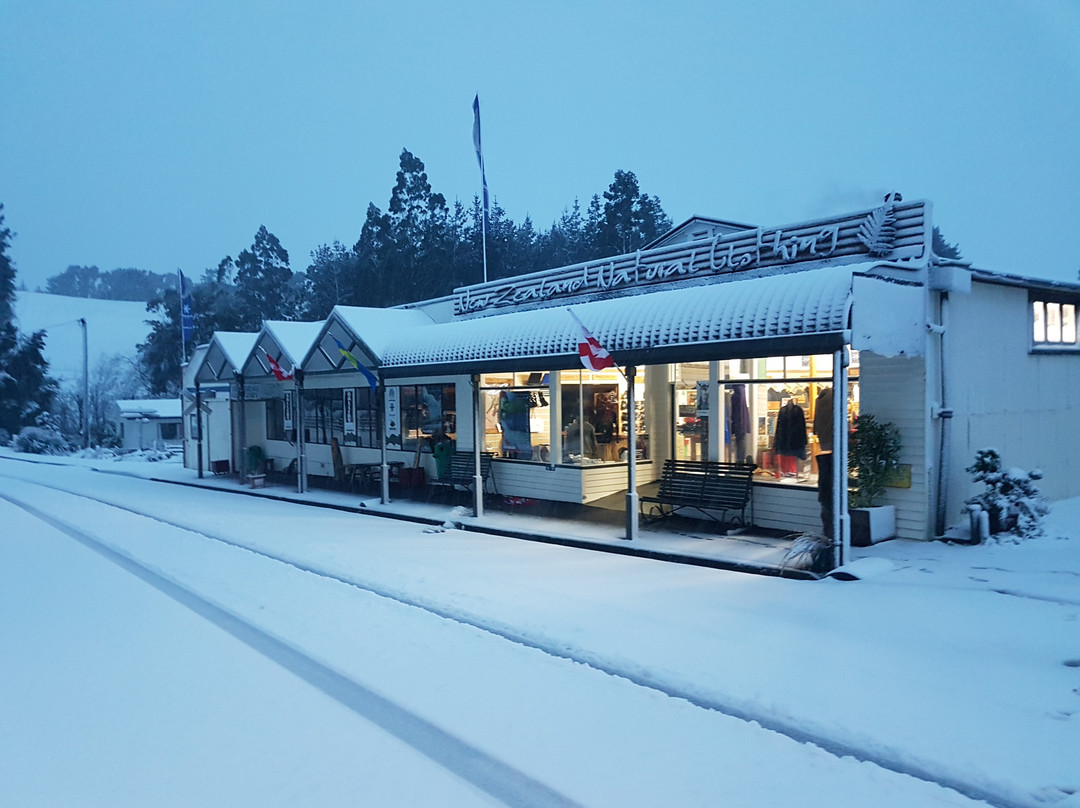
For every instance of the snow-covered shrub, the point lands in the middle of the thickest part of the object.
(5, 437)
(1011, 498)
(39, 440)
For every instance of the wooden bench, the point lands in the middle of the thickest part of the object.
(709, 487)
(460, 474)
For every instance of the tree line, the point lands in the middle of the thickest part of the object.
(419, 248)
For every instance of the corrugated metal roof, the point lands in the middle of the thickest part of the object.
(729, 318)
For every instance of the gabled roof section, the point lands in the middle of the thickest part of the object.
(224, 356)
(809, 310)
(696, 228)
(285, 340)
(367, 333)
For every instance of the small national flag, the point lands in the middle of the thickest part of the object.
(275, 368)
(594, 356)
(187, 313)
(479, 151)
(356, 363)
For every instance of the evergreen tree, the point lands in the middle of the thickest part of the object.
(630, 219)
(26, 391)
(75, 281)
(262, 282)
(332, 279)
(159, 356)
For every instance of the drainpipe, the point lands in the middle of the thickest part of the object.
(945, 414)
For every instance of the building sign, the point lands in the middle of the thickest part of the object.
(393, 416)
(894, 231)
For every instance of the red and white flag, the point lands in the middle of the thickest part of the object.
(275, 368)
(594, 356)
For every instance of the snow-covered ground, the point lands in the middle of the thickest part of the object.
(113, 327)
(372, 661)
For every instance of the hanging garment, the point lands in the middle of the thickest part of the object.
(823, 419)
(790, 437)
(740, 412)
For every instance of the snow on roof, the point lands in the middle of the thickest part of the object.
(795, 304)
(378, 329)
(149, 407)
(294, 338)
(236, 345)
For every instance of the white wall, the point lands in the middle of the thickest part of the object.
(1025, 405)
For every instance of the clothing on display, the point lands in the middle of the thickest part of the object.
(823, 419)
(790, 437)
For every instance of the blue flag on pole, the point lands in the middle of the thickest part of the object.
(479, 150)
(187, 313)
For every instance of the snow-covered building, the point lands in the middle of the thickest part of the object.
(148, 423)
(729, 341)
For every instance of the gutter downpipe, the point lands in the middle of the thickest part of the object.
(945, 413)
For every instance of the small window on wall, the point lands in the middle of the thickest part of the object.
(1054, 324)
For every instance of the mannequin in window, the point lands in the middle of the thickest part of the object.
(580, 439)
(823, 428)
(514, 420)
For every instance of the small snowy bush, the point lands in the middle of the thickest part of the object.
(5, 437)
(38, 440)
(1011, 498)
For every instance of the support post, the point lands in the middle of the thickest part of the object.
(198, 428)
(243, 426)
(631, 457)
(841, 522)
(301, 450)
(478, 445)
(86, 386)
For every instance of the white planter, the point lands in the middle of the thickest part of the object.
(871, 525)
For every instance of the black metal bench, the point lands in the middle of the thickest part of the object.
(707, 486)
(460, 474)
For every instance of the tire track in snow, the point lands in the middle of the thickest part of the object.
(489, 774)
(891, 760)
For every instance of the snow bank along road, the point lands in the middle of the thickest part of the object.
(520, 706)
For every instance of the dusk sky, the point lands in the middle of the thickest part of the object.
(161, 135)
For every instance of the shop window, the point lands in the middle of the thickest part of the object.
(169, 431)
(593, 407)
(1053, 324)
(360, 414)
(428, 415)
(775, 412)
(275, 419)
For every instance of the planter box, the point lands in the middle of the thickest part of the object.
(871, 525)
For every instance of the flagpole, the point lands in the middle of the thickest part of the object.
(483, 179)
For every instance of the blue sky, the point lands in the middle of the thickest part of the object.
(161, 135)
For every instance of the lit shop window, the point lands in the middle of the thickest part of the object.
(1054, 324)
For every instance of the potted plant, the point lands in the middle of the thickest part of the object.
(873, 460)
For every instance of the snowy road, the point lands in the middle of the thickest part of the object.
(488, 661)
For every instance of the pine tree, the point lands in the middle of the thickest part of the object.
(262, 282)
(26, 391)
